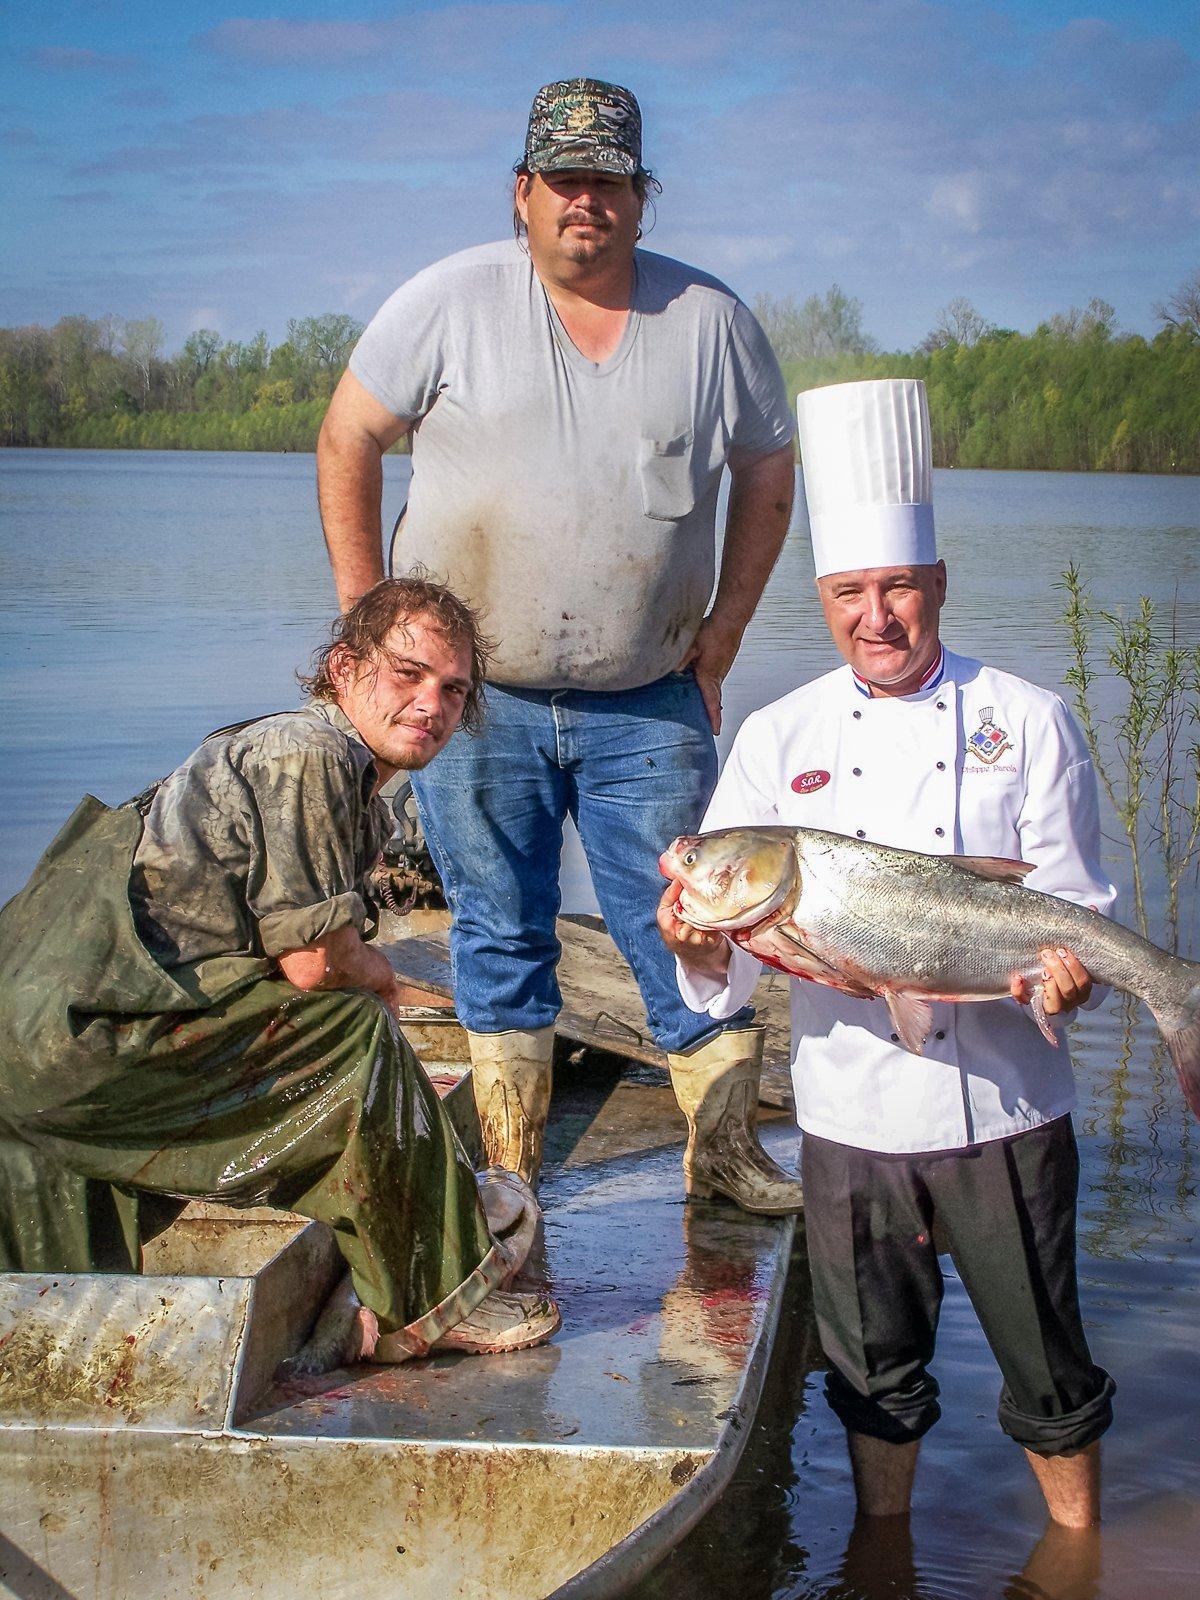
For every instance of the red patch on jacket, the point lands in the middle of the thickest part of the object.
(809, 782)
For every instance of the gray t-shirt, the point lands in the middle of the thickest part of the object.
(572, 501)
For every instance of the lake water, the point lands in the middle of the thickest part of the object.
(147, 598)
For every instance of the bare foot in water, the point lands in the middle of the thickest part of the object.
(346, 1332)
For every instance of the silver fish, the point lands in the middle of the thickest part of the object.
(872, 920)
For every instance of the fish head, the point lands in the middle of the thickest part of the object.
(733, 878)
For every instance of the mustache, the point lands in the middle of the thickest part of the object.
(590, 219)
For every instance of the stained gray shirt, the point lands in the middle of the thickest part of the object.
(573, 501)
(260, 841)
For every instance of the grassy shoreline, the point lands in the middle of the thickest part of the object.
(1010, 401)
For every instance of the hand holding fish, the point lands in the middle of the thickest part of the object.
(1066, 983)
(915, 929)
(697, 948)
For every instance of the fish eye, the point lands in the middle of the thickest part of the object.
(689, 860)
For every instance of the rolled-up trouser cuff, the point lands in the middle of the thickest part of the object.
(902, 1417)
(1057, 1436)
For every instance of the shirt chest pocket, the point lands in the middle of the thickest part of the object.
(668, 472)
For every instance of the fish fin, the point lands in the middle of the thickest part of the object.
(998, 868)
(911, 1017)
(782, 947)
(1037, 1004)
(1182, 1036)
(833, 977)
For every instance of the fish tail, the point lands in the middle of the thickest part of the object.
(1179, 1024)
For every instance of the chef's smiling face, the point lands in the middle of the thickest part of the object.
(884, 621)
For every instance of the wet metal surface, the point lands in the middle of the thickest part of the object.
(170, 1349)
(662, 1304)
(579, 1463)
(158, 1353)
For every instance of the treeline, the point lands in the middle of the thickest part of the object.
(106, 383)
(1076, 394)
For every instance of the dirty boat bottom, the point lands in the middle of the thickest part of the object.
(453, 1476)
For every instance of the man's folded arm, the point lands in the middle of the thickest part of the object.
(339, 960)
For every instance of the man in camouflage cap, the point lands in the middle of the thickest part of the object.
(572, 401)
(584, 123)
(188, 1009)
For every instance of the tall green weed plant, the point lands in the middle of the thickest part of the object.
(1147, 750)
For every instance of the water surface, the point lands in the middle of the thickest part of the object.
(147, 598)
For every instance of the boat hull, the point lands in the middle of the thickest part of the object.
(162, 1459)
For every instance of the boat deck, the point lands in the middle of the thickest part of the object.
(566, 1470)
(659, 1299)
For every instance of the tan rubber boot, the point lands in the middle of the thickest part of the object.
(511, 1075)
(716, 1086)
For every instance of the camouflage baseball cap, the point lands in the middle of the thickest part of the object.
(584, 123)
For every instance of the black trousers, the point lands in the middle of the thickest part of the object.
(1005, 1211)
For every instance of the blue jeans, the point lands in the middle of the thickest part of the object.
(634, 769)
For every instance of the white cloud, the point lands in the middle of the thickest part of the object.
(958, 199)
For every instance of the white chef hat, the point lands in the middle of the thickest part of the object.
(868, 475)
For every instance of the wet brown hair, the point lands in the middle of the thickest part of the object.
(395, 602)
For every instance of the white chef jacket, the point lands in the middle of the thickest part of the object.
(977, 762)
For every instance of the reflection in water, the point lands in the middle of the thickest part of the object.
(878, 1561)
(1143, 1161)
(121, 651)
(1064, 1565)
(746, 1545)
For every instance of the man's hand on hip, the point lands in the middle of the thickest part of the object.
(710, 656)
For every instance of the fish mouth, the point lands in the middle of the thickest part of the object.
(692, 913)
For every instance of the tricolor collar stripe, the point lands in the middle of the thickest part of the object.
(930, 681)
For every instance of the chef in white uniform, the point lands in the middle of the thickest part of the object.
(911, 744)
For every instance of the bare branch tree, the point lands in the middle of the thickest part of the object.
(1098, 321)
(1182, 309)
(825, 325)
(141, 342)
(957, 323)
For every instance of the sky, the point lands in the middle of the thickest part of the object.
(231, 167)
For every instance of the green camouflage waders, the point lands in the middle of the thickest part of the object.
(126, 1089)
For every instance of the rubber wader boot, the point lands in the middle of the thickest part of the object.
(511, 1075)
(716, 1086)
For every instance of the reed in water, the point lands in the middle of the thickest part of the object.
(1147, 752)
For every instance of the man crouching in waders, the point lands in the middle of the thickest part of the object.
(188, 1010)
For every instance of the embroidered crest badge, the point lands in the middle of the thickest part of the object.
(989, 741)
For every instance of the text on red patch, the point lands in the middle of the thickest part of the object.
(807, 782)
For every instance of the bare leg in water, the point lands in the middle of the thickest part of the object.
(883, 1475)
(1070, 1485)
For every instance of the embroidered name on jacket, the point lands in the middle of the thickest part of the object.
(989, 741)
(808, 782)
